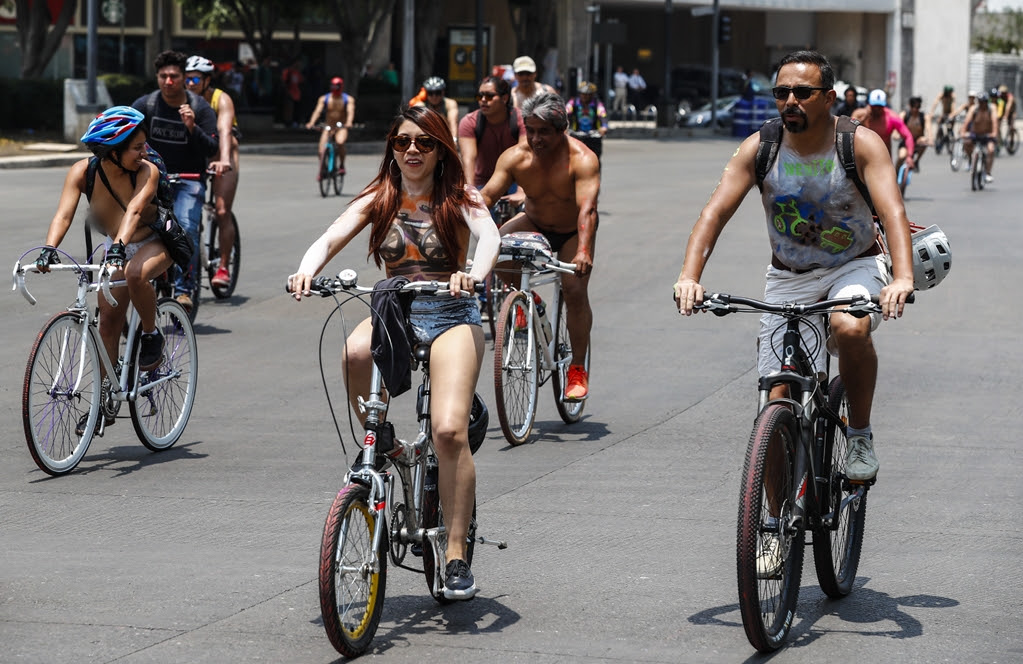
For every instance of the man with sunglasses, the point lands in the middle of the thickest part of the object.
(526, 86)
(198, 79)
(502, 128)
(561, 179)
(339, 107)
(885, 122)
(435, 100)
(182, 127)
(823, 238)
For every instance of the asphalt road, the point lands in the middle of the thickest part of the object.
(621, 528)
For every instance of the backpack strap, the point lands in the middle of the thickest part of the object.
(481, 126)
(767, 151)
(845, 131)
(513, 125)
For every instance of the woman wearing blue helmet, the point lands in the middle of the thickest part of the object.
(121, 204)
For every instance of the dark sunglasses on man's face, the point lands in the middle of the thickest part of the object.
(480, 96)
(801, 92)
(193, 80)
(424, 143)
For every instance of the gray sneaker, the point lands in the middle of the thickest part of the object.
(769, 561)
(860, 461)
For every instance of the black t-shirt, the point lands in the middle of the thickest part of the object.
(166, 133)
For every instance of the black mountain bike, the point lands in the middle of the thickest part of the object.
(793, 479)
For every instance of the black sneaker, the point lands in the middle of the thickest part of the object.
(458, 581)
(150, 351)
(105, 416)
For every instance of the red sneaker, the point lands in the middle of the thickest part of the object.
(578, 383)
(520, 319)
(222, 279)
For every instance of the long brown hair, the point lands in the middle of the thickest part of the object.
(449, 195)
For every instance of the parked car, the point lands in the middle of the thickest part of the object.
(701, 116)
(691, 84)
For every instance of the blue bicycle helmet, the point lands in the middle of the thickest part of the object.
(110, 128)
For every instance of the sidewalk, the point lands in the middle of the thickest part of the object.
(282, 142)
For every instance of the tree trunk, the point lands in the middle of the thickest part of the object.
(37, 39)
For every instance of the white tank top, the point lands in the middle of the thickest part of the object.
(815, 215)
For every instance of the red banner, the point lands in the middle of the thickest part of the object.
(9, 10)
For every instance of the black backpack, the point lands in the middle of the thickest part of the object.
(770, 140)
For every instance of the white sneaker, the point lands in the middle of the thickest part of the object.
(988, 178)
(860, 461)
(769, 561)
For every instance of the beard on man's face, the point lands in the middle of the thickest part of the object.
(794, 124)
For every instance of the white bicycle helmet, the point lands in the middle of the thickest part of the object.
(199, 63)
(932, 258)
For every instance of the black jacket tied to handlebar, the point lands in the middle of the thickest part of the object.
(390, 342)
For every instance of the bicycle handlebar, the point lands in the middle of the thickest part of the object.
(347, 280)
(722, 304)
(18, 278)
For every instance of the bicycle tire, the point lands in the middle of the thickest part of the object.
(768, 605)
(325, 173)
(351, 595)
(433, 517)
(493, 285)
(903, 179)
(161, 414)
(570, 411)
(337, 177)
(516, 371)
(1012, 141)
(836, 549)
(976, 171)
(58, 392)
(939, 140)
(956, 154)
(234, 261)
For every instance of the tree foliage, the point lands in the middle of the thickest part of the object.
(257, 19)
(358, 23)
(534, 22)
(40, 33)
(1001, 33)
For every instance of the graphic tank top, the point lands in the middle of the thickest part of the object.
(815, 215)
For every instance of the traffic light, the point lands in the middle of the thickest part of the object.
(724, 28)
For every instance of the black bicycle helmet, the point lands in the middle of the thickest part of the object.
(479, 421)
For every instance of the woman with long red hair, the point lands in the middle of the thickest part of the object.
(421, 213)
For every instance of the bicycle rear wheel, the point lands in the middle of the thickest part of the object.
(516, 370)
(234, 261)
(161, 413)
(1012, 141)
(351, 592)
(939, 140)
(570, 411)
(767, 596)
(838, 540)
(62, 388)
(976, 170)
(337, 177)
(325, 172)
(433, 517)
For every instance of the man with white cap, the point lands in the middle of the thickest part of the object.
(527, 87)
(884, 122)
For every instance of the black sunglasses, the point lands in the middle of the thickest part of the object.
(485, 95)
(424, 143)
(194, 80)
(801, 92)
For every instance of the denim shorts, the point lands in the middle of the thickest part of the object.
(433, 315)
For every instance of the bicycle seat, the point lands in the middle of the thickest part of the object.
(527, 245)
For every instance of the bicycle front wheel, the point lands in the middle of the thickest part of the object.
(337, 177)
(977, 170)
(234, 260)
(351, 588)
(956, 155)
(769, 558)
(1012, 141)
(838, 540)
(516, 374)
(570, 411)
(433, 517)
(61, 395)
(160, 412)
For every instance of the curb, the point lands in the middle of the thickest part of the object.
(361, 147)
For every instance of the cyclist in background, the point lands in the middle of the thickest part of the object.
(561, 178)
(981, 126)
(135, 253)
(502, 127)
(198, 78)
(585, 112)
(420, 213)
(971, 101)
(1006, 108)
(919, 125)
(435, 100)
(181, 126)
(946, 99)
(337, 106)
(525, 78)
(806, 264)
(884, 122)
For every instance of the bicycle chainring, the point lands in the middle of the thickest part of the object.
(399, 542)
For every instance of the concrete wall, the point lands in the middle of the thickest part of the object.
(941, 48)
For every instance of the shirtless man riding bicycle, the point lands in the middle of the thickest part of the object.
(337, 106)
(561, 179)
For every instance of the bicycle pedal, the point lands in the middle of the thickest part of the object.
(500, 544)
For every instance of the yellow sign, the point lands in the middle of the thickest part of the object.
(462, 55)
